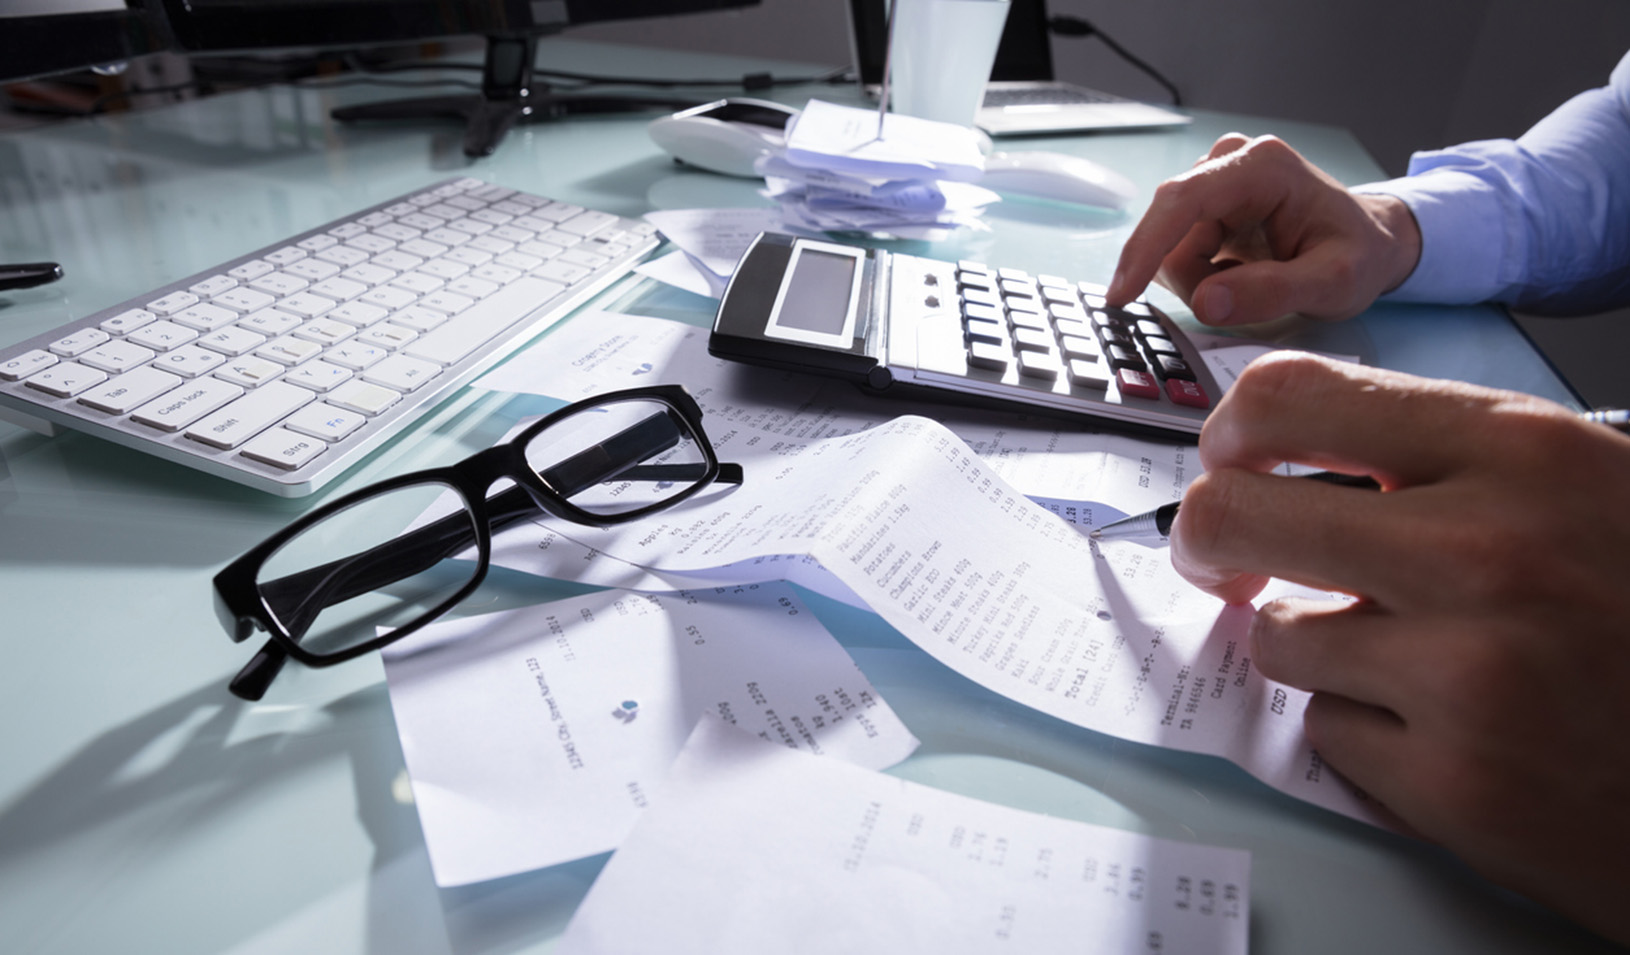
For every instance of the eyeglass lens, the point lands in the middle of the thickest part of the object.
(334, 585)
(619, 456)
(399, 556)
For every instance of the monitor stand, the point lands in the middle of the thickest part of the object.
(508, 96)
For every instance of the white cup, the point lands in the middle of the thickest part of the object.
(940, 55)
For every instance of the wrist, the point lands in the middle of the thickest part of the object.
(1399, 240)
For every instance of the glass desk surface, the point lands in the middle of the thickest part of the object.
(142, 808)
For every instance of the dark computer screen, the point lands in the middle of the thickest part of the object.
(43, 37)
(224, 25)
(510, 27)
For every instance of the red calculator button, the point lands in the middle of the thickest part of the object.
(1138, 384)
(1187, 393)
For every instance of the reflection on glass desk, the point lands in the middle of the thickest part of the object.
(143, 808)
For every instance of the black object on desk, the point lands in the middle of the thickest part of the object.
(28, 274)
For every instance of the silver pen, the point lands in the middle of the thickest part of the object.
(1156, 525)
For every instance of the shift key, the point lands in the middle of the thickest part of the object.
(479, 324)
(250, 415)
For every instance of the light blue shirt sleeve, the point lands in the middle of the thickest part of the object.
(1541, 222)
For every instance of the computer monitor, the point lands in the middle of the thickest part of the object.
(511, 29)
(44, 37)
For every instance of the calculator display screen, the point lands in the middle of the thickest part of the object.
(819, 295)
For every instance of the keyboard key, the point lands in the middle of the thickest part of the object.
(212, 286)
(243, 300)
(20, 367)
(279, 284)
(189, 361)
(284, 448)
(232, 341)
(205, 317)
(249, 415)
(66, 379)
(162, 335)
(402, 373)
(117, 356)
(81, 341)
(288, 255)
(249, 371)
(319, 376)
(252, 269)
(121, 393)
(364, 397)
(127, 321)
(480, 323)
(182, 406)
(172, 303)
(288, 351)
(323, 420)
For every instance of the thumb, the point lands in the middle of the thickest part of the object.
(1317, 286)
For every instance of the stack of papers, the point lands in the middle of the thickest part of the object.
(855, 170)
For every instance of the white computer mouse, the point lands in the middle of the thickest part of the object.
(1048, 175)
(724, 136)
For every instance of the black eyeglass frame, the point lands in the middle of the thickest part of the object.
(242, 610)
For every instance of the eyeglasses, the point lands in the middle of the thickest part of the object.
(378, 564)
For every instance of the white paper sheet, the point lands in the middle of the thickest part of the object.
(753, 411)
(715, 239)
(845, 139)
(1001, 590)
(536, 736)
(925, 530)
(756, 850)
(681, 271)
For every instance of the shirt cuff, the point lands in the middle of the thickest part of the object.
(1463, 240)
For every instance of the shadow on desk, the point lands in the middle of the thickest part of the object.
(194, 800)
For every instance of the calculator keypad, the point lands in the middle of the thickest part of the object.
(1046, 327)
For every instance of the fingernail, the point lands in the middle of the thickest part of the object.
(1217, 303)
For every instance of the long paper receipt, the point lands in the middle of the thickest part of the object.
(757, 849)
(536, 736)
(999, 589)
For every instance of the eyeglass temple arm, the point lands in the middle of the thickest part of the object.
(298, 598)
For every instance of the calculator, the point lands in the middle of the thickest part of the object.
(904, 325)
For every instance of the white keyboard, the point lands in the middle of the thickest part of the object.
(282, 368)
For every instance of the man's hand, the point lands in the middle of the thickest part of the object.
(1480, 686)
(1255, 232)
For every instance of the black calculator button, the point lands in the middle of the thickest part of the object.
(1148, 326)
(1114, 336)
(1157, 345)
(1170, 366)
(1124, 358)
